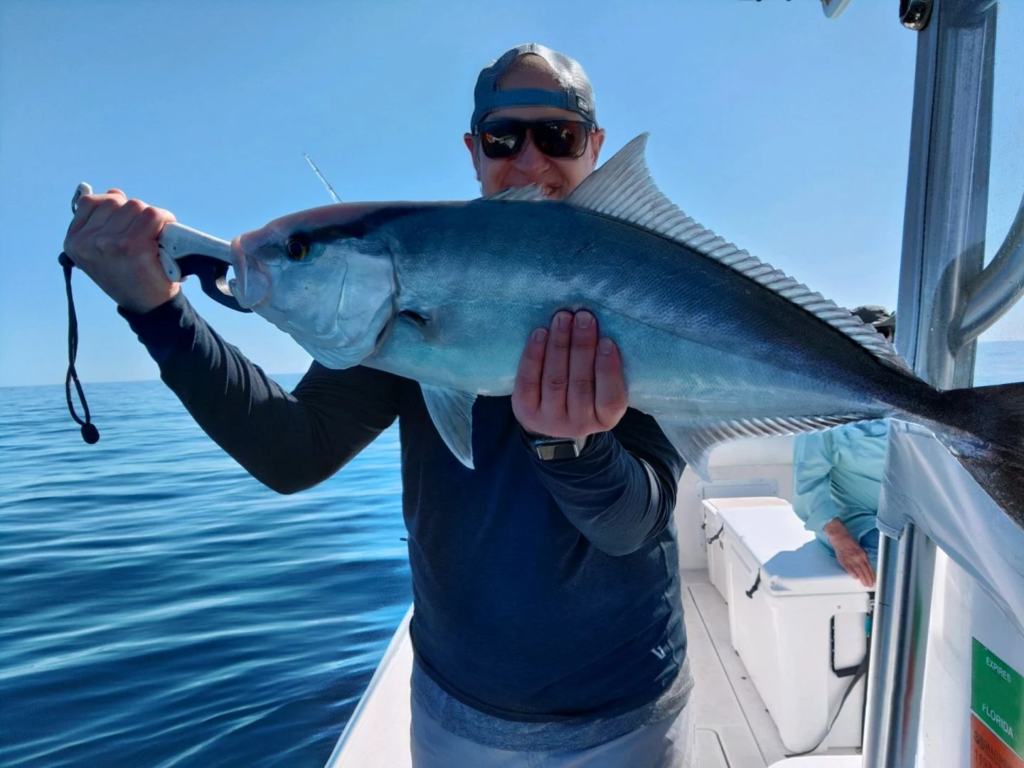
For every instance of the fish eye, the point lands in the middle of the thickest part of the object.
(296, 247)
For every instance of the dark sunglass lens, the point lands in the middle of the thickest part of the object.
(501, 139)
(561, 138)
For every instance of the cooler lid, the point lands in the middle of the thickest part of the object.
(710, 508)
(789, 557)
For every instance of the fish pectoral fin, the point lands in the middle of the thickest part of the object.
(452, 414)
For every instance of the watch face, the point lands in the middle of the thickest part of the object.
(557, 449)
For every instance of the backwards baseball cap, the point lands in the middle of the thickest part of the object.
(575, 94)
(876, 315)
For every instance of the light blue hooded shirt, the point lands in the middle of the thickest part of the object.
(838, 474)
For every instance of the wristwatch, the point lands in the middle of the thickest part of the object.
(550, 448)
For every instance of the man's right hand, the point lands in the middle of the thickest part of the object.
(850, 553)
(113, 240)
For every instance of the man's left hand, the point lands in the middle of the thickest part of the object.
(570, 382)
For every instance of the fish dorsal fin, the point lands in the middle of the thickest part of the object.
(623, 189)
(695, 439)
(452, 414)
(531, 193)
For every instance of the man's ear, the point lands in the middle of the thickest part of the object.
(596, 142)
(470, 141)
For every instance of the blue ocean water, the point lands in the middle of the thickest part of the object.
(159, 607)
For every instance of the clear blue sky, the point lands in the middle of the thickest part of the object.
(784, 131)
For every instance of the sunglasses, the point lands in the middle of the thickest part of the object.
(504, 138)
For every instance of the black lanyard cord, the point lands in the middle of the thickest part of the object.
(89, 432)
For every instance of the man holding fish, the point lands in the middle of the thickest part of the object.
(548, 626)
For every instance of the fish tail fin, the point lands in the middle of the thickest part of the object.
(988, 440)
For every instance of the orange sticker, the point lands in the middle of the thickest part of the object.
(988, 750)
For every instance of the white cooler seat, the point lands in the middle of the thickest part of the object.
(714, 534)
(796, 618)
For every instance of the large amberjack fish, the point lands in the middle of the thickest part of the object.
(716, 345)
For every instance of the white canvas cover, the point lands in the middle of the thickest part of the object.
(925, 484)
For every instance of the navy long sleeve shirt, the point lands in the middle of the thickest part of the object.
(543, 590)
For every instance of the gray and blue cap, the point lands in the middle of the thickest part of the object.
(575, 95)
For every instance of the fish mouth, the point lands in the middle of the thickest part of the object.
(251, 284)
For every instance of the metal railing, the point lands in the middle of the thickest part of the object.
(947, 299)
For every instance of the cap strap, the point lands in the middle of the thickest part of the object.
(531, 97)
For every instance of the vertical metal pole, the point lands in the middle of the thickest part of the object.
(947, 187)
(943, 251)
(898, 645)
(890, 602)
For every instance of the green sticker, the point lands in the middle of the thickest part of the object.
(997, 697)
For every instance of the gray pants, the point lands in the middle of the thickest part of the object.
(665, 744)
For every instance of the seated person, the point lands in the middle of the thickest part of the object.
(837, 479)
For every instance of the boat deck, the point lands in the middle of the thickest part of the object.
(734, 730)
